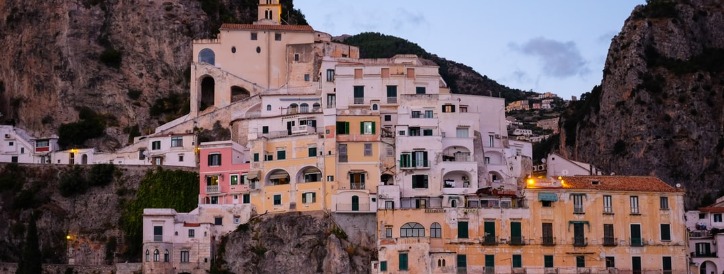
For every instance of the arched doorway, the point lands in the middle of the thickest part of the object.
(207, 56)
(355, 203)
(207, 92)
(707, 267)
(238, 93)
(84, 159)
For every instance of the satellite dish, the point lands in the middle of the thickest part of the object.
(543, 161)
(678, 185)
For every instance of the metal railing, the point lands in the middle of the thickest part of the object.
(636, 241)
(490, 240)
(359, 100)
(580, 241)
(610, 241)
(699, 234)
(414, 165)
(356, 185)
(548, 241)
(517, 240)
(361, 207)
(212, 189)
(157, 238)
(392, 100)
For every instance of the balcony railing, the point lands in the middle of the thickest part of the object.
(548, 241)
(580, 241)
(361, 207)
(212, 189)
(489, 270)
(392, 100)
(356, 185)
(699, 234)
(415, 165)
(518, 240)
(578, 210)
(703, 254)
(359, 100)
(490, 240)
(457, 157)
(610, 241)
(637, 241)
(157, 238)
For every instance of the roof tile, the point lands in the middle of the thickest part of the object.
(618, 183)
(228, 26)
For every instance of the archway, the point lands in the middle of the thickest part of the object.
(277, 177)
(207, 56)
(84, 159)
(208, 87)
(239, 93)
(309, 174)
(707, 267)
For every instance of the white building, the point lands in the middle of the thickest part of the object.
(706, 240)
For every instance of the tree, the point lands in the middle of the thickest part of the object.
(30, 260)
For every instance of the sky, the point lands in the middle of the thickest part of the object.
(557, 46)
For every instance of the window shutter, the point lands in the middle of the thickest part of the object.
(346, 127)
(314, 197)
(414, 158)
(424, 159)
(361, 127)
(362, 177)
(209, 159)
(373, 127)
(340, 127)
(304, 198)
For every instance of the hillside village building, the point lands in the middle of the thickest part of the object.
(706, 240)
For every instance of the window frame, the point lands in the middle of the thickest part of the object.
(213, 159)
(607, 204)
(177, 141)
(277, 199)
(435, 230)
(634, 204)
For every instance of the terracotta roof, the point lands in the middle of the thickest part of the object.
(191, 224)
(712, 209)
(618, 183)
(266, 27)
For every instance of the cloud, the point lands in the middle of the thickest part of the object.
(559, 59)
(406, 19)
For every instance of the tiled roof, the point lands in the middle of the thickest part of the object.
(618, 183)
(712, 209)
(266, 27)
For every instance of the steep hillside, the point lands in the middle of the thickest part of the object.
(658, 110)
(461, 78)
(120, 59)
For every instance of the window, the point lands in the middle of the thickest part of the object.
(462, 229)
(368, 149)
(156, 145)
(665, 232)
(462, 262)
(702, 216)
(610, 262)
(491, 141)
(416, 114)
(367, 128)
(389, 204)
(412, 230)
(246, 198)
(277, 199)
(330, 75)
(427, 132)
(489, 230)
(177, 141)
(42, 143)
(461, 132)
(516, 237)
(579, 235)
(214, 159)
(703, 249)
(607, 204)
(428, 114)
(180, 157)
(414, 131)
(392, 94)
(277, 36)
(342, 150)
(357, 180)
(401, 133)
(156, 255)
(166, 256)
(312, 151)
(664, 203)
(463, 108)
(234, 179)
(264, 129)
(342, 127)
(636, 265)
(419, 181)
(192, 233)
(548, 261)
(489, 263)
(359, 94)
(218, 220)
(304, 107)
(383, 266)
(435, 230)
(281, 154)
(309, 197)
(547, 234)
(403, 261)
(580, 261)
(237, 219)
(577, 203)
(157, 233)
(256, 157)
(717, 218)
(388, 231)
(635, 205)
(666, 264)
(517, 260)
(253, 36)
(388, 118)
(608, 238)
(420, 90)
(636, 239)
(184, 256)
(448, 108)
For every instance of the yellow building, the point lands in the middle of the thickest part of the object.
(577, 224)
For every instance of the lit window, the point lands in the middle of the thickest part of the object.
(368, 128)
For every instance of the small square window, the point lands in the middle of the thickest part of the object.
(306, 77)
(330, 178)
(180, 157)
(277, 199)
(218, 220)
(237, 220)
(277, 36)
(388, 118)
(388, 232)
(192, 233)
(547, 203)
(253, 36)
(402, 133)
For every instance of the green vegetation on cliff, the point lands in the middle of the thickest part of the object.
(160, 188)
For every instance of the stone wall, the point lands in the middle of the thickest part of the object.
(121, 268)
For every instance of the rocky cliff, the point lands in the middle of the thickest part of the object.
(658, 110)
(296, 243)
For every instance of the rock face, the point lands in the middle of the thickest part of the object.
(295, 243)
(658, 110)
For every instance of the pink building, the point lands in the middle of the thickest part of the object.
(223, 170)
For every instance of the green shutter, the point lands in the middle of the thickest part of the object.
(383, 266)
(246, 198)
(666, 261)
(361, 127)
(489, 260)
(403, 261)
(665, 232)
(256, 157)
(340, 127)
(548, 261)
(515, 229)
(312, 151)
(281, 155)
(346, 127)
(373, 127)
(424, 159)
(490, 229)
(462, 261)
(463, 230)
(517, 260)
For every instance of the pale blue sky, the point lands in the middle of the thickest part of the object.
(554, 45)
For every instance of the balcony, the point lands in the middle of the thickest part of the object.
(415, 165)
(157, 238)
(703, 254)
(212, 189)
(700, 234)
(392, 100)
(303, 129)
(636, 241)
(548, 241)
(349, 207)
(489, 240)
(578, 210)
(457, 157)
(580, 241)
(488, 270)
(610, 241)
(358, 100)
(517, 240)
(356, 185)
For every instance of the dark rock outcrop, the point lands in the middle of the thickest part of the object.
(659, 109)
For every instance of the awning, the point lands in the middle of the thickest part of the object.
(547, 196)
(253, 175)
(278, 176)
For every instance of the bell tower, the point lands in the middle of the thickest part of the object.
(270, 12)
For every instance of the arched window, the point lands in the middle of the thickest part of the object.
(453, 203)
(207, 56)
(435, 230)
(304, 108)
(315, 107)
(293, 109)
(412, 230)
(268, 107)
(148, 255)
(374, 107)
(156, 255)
(166, 256)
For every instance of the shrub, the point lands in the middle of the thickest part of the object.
(619, 148)
(91, 125)
(134, 94)
(72, 182)
(101, 174)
